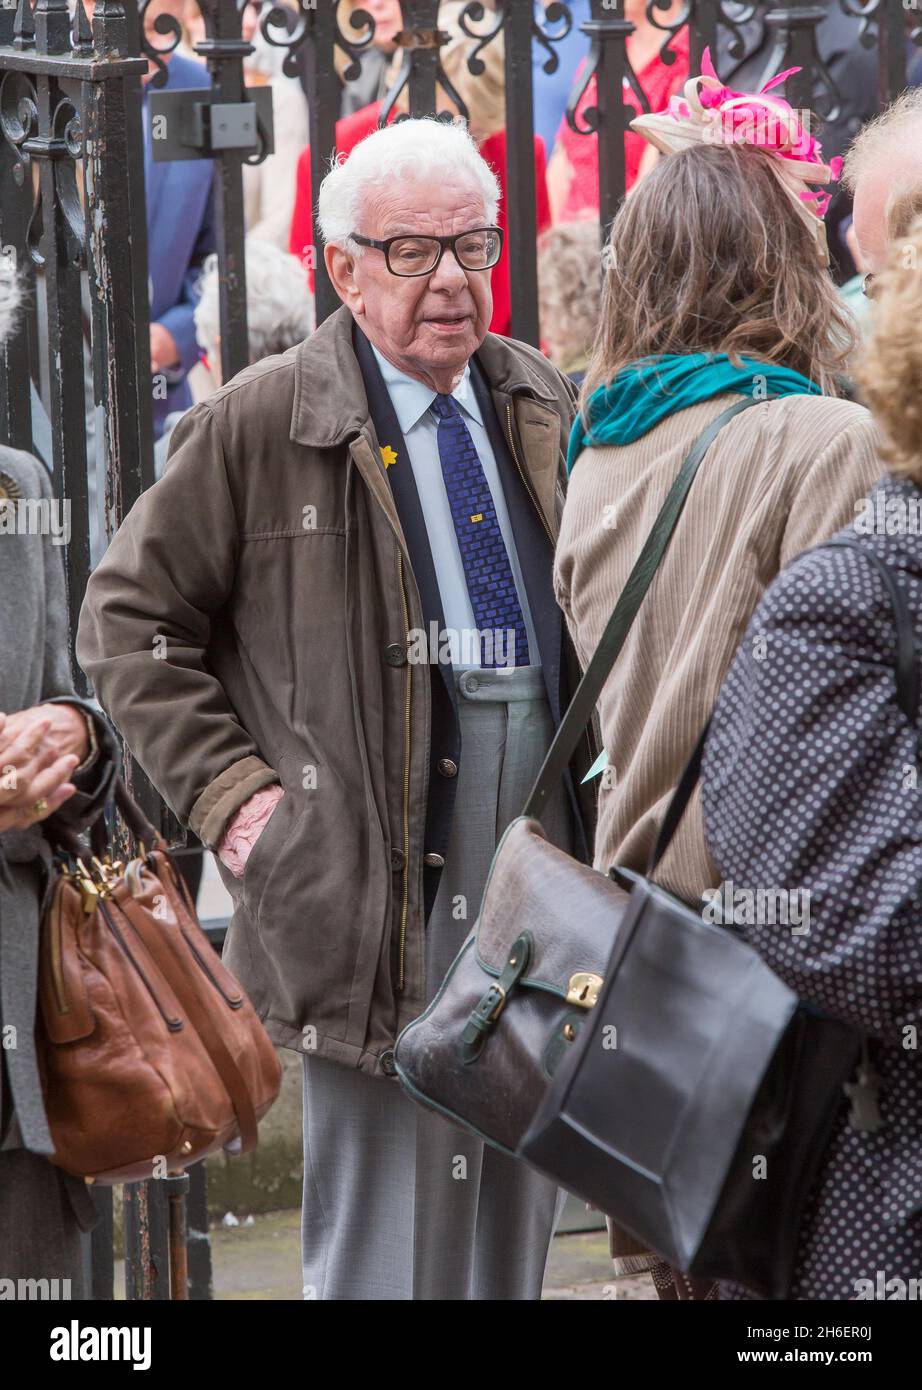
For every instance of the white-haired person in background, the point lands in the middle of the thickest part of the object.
(280, 313)
(883, 171)
(398, 473)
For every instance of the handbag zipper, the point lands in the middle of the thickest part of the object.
(233, 1001)
(57, 967)
(174, 1024)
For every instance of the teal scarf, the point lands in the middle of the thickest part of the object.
(650, 390)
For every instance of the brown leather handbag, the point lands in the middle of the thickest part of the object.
(151, 1055)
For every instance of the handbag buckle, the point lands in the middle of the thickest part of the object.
(583, 989)
(488, 1010)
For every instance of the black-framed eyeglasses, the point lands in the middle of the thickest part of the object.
(421, 255)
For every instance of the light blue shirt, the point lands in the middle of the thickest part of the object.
(411, 400)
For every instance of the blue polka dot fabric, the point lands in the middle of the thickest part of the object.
(812, 781)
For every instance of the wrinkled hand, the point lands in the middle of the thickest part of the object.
(163, 350)
(245, 827)
(39, 749)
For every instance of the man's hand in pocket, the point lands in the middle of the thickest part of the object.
(245, 827)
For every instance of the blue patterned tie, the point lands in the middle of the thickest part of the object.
(490, 582)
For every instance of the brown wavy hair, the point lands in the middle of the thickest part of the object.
(889, 369)
(708, 254)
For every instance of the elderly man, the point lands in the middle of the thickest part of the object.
(330, 637)
(883, 169)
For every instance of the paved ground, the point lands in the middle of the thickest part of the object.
(261, 1262)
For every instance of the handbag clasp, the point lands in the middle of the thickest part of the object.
(584, 988)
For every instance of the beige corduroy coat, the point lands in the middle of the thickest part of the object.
(778, 479)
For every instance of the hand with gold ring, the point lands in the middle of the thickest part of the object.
(34, 773)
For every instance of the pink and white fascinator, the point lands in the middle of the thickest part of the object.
(708, 113)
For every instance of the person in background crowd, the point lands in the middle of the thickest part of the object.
(280, 313)
(573, 171)
(715, 287)
(59, 758)
(280, 310)
(809, 784)
(352, 784)
(569, 272)
(883, 170)
(484, 97)
(552, 89)
(180, 230)
(854, 291)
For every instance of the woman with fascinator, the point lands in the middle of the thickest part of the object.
(716, 288)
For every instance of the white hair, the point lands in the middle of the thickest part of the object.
(280, 307)
(10, 296)
(891, 140)
(423, 150)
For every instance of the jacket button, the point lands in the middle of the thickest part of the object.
(398, 859)
(388, 1065)
(395, 654)
(435, 861)
(448, 767)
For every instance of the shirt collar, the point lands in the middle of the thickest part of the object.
(411, 398)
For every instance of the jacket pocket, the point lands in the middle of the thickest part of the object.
(266, 851)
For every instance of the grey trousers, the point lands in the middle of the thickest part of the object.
(398, 1202)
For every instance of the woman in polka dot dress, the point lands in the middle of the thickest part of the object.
(811, 783)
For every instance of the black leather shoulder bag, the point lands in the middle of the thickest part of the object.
(697, 1103)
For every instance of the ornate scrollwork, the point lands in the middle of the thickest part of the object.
(21, 129)
(66, 127)
(167, 25)
(290, 40)
(18, 117)
(554, 13)
(742, 14)
(19, 123)
(598, 29)
(476, 11)
(473, 12)
(868, 11)
(359, 19)
(667, 53)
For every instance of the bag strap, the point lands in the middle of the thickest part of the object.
(907, 694)
(579, 712)
(70, 842)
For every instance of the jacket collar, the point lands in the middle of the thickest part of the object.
(325, 418)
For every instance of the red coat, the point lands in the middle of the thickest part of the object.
(351, 129)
